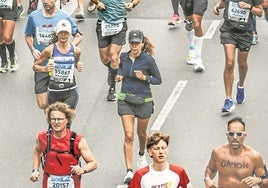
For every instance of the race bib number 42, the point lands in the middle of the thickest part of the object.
(110, 29)
(60, 182)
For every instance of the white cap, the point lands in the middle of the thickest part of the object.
(63, 25)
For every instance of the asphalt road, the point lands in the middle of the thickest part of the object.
(194, 119)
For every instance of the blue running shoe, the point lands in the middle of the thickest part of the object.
(240, 93)
(228, 106)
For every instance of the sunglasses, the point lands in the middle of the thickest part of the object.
(232, 133)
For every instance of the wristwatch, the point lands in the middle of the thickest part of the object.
(85, 171)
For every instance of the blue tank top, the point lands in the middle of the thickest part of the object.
(63, 76)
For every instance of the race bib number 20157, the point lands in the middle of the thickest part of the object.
(60, 182)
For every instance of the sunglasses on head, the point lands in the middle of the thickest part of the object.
(238, 133)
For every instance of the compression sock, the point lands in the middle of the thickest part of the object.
(113, 74)
(190, 36)
(11, 49)
(198, 44)
(3, 53)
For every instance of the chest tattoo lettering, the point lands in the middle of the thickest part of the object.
(231, 164)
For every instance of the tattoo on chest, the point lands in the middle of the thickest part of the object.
(230, 164)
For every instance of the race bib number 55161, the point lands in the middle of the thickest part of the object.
(60, 182)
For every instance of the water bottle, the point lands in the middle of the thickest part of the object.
(51, 62)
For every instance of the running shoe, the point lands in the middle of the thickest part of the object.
(111, 94)
(199, 66)
(254, 39)
(175, 19)
(191, 57)
(20, 10)
(228, 106)
(128, 177)
(240, 93)
(91, 7)
(142, 161)
(79, 16)
(14, 65)
(32, 6)
(4, 67)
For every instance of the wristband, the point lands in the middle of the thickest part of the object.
(85, 171)
(206, 178)
(35, 169)
(251, 7)
(32, 49)
(260, 181)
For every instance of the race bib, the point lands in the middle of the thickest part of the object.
(63, 71)
(110, 29)
(60, 181)
(6, 4)
(235, 13)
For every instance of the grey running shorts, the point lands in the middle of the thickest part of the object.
(198, 7)
(9, 14)
(41, 82)
(70, 97)
(143, 111)
(119, 38)
(241, 40)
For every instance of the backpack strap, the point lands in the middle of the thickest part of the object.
(48, 140)
(72, 139)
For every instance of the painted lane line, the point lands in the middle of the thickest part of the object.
(212, 29)
(122, 186)
(169, 105)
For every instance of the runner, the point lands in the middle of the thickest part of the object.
(39, 28)
(111, 30)
(194, 11)
(60, 150)
(8, 17)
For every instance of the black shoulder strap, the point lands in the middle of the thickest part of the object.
(72, 139)
(48, 140)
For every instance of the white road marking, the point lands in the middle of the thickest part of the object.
(212, 29)
(122, 186)
(169, 105)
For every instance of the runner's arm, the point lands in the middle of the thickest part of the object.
(91, 163)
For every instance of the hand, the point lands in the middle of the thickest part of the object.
(118, 78)
(216, 9)
(140, 75)
(36, 53)
(244, 5)
(77, 170)
(34, 176)
(80, 66)
(50, 67)
(251, 181)
(100, 6)
(129, 6)
(211, 184)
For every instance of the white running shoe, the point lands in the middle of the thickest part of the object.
(191, 57)
(199, 66)
(128, 177)
(142, 161)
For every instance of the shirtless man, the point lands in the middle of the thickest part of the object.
(238, 165)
